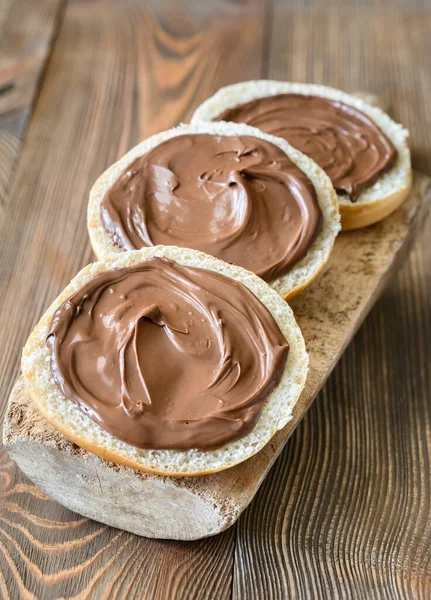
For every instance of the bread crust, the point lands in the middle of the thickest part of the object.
(62, 414)
(356, 216)
(287, 285)
(374, 203)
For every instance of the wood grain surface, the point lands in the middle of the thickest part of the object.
(345, 511)
(27, 30)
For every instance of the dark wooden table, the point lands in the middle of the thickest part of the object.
(345, 512)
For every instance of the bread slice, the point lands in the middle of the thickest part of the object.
(71, 422)
(375, 202)
(303, 272)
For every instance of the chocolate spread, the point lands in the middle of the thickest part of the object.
(165, 356)
(240, 199)
(345, 142)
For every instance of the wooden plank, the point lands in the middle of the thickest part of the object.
(345, 511)
(26, 32)
(328, 313)
(119, 71)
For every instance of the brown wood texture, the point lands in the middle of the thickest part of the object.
(27, 30)
(345, 511)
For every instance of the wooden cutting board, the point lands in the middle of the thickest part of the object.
(329, 313)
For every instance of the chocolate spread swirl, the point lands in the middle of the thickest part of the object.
(165, 356)
(240, 199)
(342, 140)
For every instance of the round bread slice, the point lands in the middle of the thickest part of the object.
(65, 416)
(375, 202)
(303, 272)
